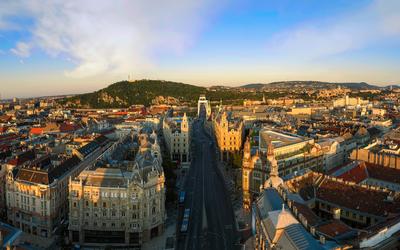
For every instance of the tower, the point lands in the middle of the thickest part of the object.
(274, 180)
(271, 158)
(184, 123)
(246, 172)
(224, 120)
(246, 150)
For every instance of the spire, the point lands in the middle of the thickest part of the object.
(247, 148)
(270, 149)
(271, 158)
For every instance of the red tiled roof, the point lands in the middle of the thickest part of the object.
(311, 217)
(346, 195)
(36, 131)
(334, 228)
(68, 127)
(356, 174)
(120, 113)
(22, 158)
(383, 173)
(357, 198)
(333, 170)
(5, 118)
(3, 129)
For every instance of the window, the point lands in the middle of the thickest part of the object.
(95, 204)
(104, 204)
(74, 204)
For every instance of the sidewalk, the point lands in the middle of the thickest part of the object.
(37, 242)
(243, 217)
(159, 243)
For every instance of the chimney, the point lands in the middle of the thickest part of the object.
(322, 239)
(312, 231)
(336, 213)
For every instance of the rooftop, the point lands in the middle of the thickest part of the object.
(104, 177)
(42, 171)
(279, 139)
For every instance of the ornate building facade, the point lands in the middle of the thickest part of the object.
(176, 132)
(228, 132)
(123, 204)
(37, 195)
(290, 154)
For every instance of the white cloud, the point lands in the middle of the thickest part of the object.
(119, 37)
(354, 30)
(22, 49)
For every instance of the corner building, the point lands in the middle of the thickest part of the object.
(121, 205)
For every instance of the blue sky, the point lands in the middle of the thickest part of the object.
(59, 47)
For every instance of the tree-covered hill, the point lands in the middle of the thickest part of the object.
(147, 92)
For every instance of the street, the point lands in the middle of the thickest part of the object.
(211, 223)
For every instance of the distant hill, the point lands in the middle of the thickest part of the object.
(148, 92)
(310, 84)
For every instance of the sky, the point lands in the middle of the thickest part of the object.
(76, 46)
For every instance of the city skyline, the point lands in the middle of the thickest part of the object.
(77, 47)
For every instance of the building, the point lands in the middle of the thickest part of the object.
(229, 133)
(329, 93)
(37, 195)
(333, 153)
(293, 153)
(18, 160)
(120, 204)
(2, 190)
(384, 153)
(369, 174)
(274, 226)
(37, 188)
(277, 228)
(176, 131)
(349, 101)
(337, 209)
(359, 206)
